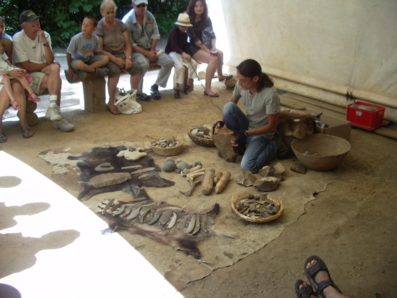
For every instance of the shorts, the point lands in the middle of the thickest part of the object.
(37, 78)
(91, 60)
(193, 49)
(115, 70)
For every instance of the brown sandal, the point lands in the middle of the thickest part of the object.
(177, 93)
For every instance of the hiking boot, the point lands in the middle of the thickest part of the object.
(102, 71)
(53, 113)
(63, 125)
(82, 74)
(143, 97)
(154, 92)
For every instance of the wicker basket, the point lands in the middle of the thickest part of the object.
(237, 198)
(201, 141)
(166, 151)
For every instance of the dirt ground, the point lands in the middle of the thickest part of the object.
(352, 225)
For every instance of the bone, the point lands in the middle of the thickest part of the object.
(143, 170)
(155, 217)
(197, 227)
(172, 221)
(131, 167)
(192, 186)
(191, 170)
(107, 206)
(165, 217)
(191, 225)
(134, 213)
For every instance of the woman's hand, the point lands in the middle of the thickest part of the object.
(120, 62)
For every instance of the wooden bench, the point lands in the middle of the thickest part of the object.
(94, 88)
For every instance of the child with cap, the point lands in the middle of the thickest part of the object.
(178, 48)
(82, 52)
(26, 80)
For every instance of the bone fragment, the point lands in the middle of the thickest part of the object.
(107, 206)
(204, 223)
(217, 177)
(143, 170)
(127, 211)
(192, 186)
(208, 181)
(119, 211)
(131, 167)
(155, 217)
(165, 217)
(134, 213)
(187, 171)
(191, 225)
(172, 221)
(182, 223)
(191, 176)
(197, 227)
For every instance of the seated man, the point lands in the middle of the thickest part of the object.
(33, 52)
(144, 33)
(254, 130)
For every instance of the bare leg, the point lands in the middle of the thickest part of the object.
(7, 86)
(52, 81)
(4, 103)
(112, 85)
(212, 61)
(19, 94)
(91, 68)
(27, 87)
(135, 81)
(220, 65)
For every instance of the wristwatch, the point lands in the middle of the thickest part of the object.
(45, 44)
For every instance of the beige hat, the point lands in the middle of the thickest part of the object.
(183, 20)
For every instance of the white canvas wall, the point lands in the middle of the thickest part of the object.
(350, 43)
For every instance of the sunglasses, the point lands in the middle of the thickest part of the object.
(141, 5)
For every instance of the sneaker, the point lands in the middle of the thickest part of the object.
(53, 113)
(143, 97)
(155, 94)
(102, 71)
(63, 125)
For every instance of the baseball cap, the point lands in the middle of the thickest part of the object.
(27, 16)
(137, 2)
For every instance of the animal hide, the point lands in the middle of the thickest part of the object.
(296, 123)
(162, 222)
(98, 156)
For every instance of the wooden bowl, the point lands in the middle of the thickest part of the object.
(237, 198)
(201, 141)
(321, 152)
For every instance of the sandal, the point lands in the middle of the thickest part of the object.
(211, 95)
(16, 105)
(113, 111)
(33, 97)
(226, 78)
(3, 138)
(304, 292)
(177, 93)
(311, 273)
(26, 134)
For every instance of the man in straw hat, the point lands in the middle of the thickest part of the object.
(144, 33)
(178, 49)
(33, 52)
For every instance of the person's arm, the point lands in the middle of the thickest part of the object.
(69, 60)
(271, 126)
(128, 50)
(46, 40)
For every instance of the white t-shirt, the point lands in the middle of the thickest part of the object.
(26, 49)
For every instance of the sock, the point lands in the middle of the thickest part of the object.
(53, 100)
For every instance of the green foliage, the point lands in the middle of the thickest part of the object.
(63, 18)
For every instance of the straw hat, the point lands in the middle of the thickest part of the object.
(183, 20)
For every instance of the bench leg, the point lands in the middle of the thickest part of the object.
(94, 95)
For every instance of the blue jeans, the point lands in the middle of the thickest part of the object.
(260, 150)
